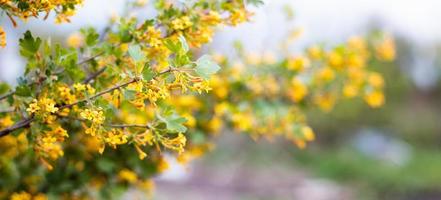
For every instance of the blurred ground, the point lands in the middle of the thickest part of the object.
(237, 173)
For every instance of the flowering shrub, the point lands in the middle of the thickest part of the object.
(70, 126)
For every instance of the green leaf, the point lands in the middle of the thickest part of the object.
(23, 90)
(171, 45)
(205, 67)
(184, 45)
(4, 88)
(174, 123)
(136, 53)
(129, 94)
(147, 73)
(29, 45)
(92, 36)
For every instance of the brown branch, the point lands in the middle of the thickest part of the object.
(90, 58)
(7, 95)
(94, 75)
(9, 110)
(87, 80)
(21, 124)
(101, 93)
(26, 122)
(129, 126)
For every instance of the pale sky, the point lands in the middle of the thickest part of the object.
(322, 20)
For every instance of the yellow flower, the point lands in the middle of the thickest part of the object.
(308, 134)
(297, 91)
(75, 40)
(211, 18)
(44, 104)
(325, 101)
(385, 50)
(315, 52)
(326, 74)
(177, 143)
(127, 175)
(115, 137)
(238, 16)
(79, 87)
(375, 80)
(162, 165)
(298, 63)
(21, 196)
(6, 121)
(374, 99)
(33, 107)
(215, 124)
(242, 121)
(2, 37)
(221, 108)
(357, 42)
(181, 23)
(350, 90)
(94, 115)
(141, 153)
(191, 120)
(301, 144)
(335, 59)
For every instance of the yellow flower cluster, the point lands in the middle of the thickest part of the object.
(181, 23)
(385, 49)
(42, 106)
(81, 88)
(176, 143)
(2, 37)
(48, 145)
(115, 137)
(12, 146)
(26, 9)
(27, 196)
(96, 116)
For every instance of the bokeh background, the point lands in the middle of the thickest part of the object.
(387, 153)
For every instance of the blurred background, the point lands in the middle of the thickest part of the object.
(388, 153)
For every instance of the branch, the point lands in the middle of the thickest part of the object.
(94, 75)
(21, 124)
(88, 79)
(7, 95)
(101, 93)
(129, 126)
(90, 58)
(26, 122)
(9, 110)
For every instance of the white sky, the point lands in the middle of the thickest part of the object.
(322, 20)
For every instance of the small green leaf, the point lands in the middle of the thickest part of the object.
(23, 90)
(136, 53)
(4, 88)
(129, 94)
(147, 73)
(29, 45)
(184, 45)
(92, 36)
(171, 45)
(174, 123)
(205, 67)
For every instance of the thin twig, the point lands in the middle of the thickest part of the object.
(101, 93)
(90, 58)
(79, 63)
(9, 110)
(18, 125)
(7, 95)
(128, 126)
(94, 75)
(26, 122)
